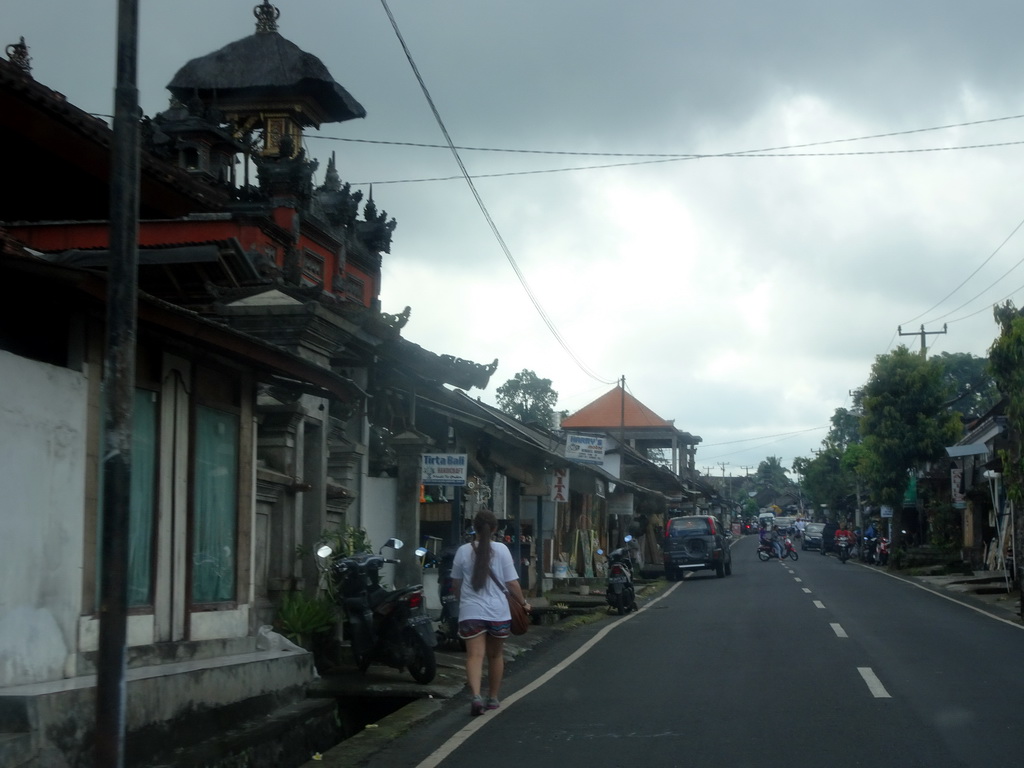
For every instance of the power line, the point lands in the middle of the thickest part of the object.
(673, 155)
(480, 203)
(966, 279)
(674, 159)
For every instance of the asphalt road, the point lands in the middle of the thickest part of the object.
(806, 663)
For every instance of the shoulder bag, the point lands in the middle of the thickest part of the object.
(520, 618)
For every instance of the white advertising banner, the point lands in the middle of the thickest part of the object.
(444, 468)
(586, 449)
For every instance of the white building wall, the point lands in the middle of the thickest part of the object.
(380, 517)
(42, 474)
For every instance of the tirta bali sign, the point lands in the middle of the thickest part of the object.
(444, 468)
(586, 449)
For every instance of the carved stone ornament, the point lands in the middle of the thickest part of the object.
(18, 54)
(266, 17)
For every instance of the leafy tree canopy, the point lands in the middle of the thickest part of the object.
(529, 399)
(906, 420)
(973, 388)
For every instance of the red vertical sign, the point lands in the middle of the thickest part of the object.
(560, 485)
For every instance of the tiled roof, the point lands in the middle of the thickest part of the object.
(613, 409)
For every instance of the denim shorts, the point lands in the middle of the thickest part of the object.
(476, 627)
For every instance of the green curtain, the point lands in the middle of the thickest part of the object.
(141, 503)
(215, 493)
(143, 493)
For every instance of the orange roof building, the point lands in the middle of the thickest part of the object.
(625, 418)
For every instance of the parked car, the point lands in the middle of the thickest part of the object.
(812, 536)
(695, 542)
(828, 538)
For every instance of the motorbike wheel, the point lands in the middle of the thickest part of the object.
(620, 605)
(422, 663)
(763, 556)
(793, 554)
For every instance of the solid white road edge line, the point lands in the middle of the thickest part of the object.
(460, 736)
(946, 597)
(874, 684)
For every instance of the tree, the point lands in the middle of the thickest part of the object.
(771, 476)
(529, 398)
(906, 423)
(974, 390)
(1006, 358)
(845, 429)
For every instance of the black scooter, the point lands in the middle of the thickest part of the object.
(384, 626)
(448, 621)
(620, 593)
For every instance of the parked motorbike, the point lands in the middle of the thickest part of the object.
(868, 549)
(882, 551)
(383, 626)
(448, 621)
(843, 548)
(765, 550)
(620, 593)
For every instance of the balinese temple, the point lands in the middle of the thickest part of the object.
(274, 400)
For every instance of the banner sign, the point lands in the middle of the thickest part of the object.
(586, 449)
(620, 504)
(560, 485)
(956, 482)
(444, 468)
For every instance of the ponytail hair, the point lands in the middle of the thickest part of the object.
(484, 524)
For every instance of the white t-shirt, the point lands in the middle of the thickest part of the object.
(489, 604)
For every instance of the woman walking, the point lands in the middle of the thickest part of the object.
(480, 569)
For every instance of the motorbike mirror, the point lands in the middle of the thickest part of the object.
(324, 551)
(600, 551)
(421, 551)
(628, 538)
(394, 543)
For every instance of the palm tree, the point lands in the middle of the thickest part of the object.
(771, 476)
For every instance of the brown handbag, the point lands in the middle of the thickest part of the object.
(520, 618)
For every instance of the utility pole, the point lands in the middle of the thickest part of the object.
(922, 333)
(723, 465)
(746, 471)
(119, 394)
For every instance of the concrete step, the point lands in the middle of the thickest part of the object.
(282, 738)
(160, 698)
(16, 750)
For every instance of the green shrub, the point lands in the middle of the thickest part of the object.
(302, 619)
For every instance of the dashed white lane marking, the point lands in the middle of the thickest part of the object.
(838, 629)
(798, 579)
(874, 684)
(819, 604)
(807, 590)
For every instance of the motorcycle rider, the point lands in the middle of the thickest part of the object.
(843, 531)
(770, 536)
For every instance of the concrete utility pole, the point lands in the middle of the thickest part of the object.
(922, 333)
(119, 394)
(723, 465)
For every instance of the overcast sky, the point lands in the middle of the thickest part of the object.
(847, 183)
